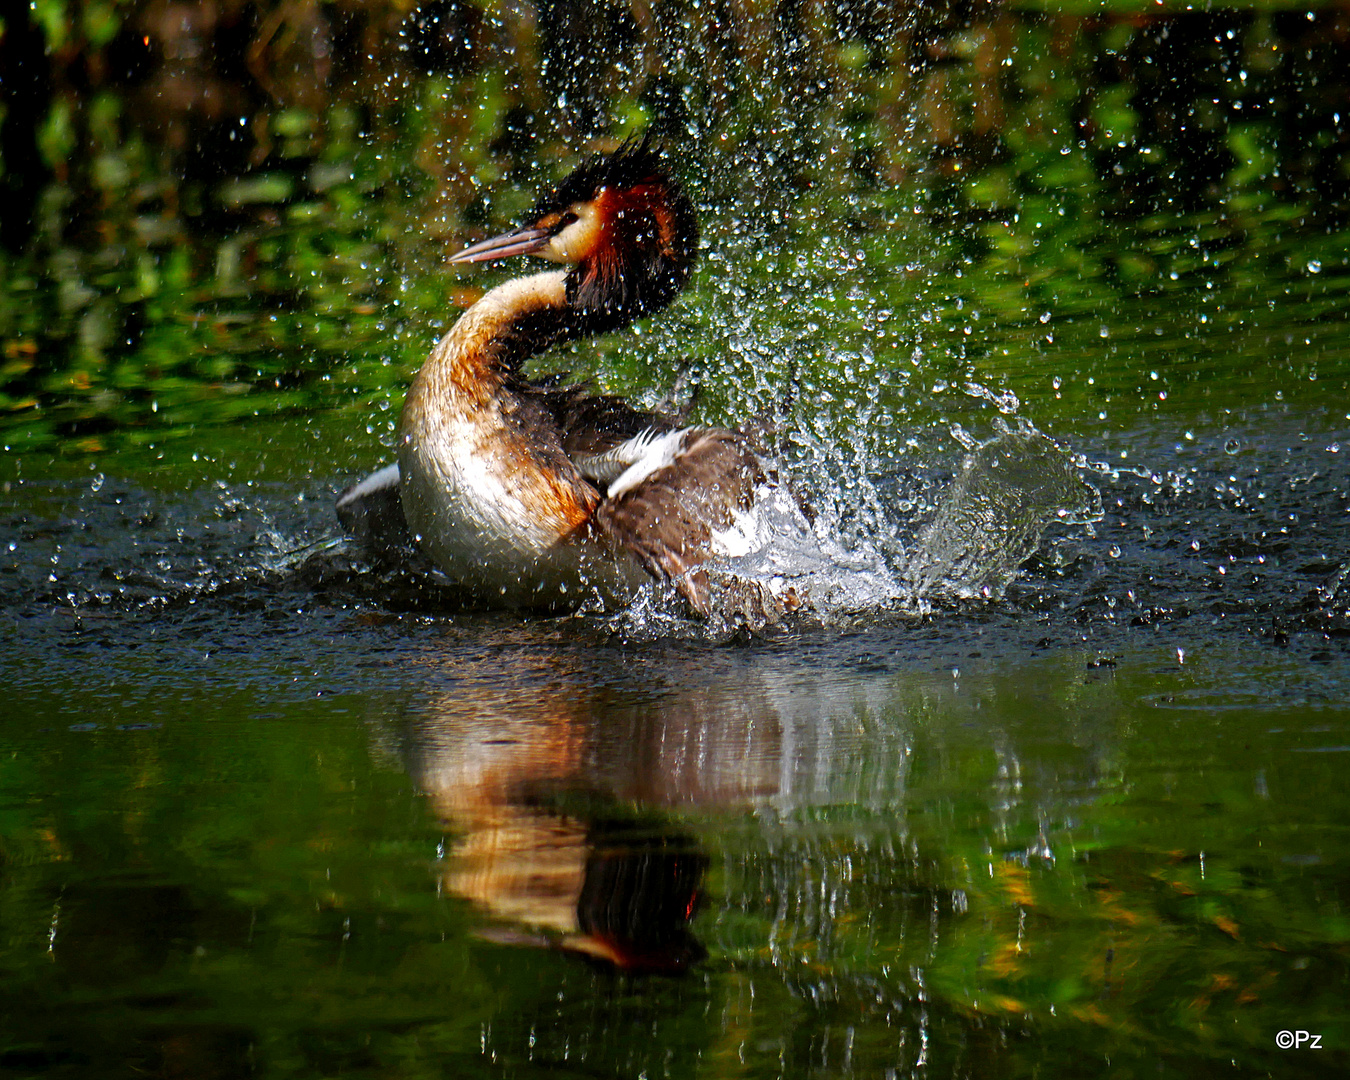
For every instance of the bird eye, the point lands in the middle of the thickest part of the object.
(567, 219)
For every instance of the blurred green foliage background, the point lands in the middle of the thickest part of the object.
(236, 208)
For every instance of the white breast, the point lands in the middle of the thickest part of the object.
(471, 513)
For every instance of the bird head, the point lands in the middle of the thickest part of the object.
(621, 222)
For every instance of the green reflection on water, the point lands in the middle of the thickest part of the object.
(1138, 863)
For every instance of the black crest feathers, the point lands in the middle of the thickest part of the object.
(636, 161)
(651, 235)
(642, 255)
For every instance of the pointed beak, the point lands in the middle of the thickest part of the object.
(519, 242)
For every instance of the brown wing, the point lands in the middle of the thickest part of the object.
(591, 425)
(667, 519)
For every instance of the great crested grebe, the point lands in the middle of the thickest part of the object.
(530, 495)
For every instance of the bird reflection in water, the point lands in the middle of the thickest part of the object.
(554, 859)
(609, 890)
(561, 776)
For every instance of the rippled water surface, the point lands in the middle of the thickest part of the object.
(265, 812)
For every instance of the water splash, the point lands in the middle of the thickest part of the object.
(971, 544)
(992, 518)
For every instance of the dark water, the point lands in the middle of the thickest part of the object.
(1073, 802)
(265, 816)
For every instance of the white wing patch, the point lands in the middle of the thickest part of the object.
(628, 464)
(376, 481)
